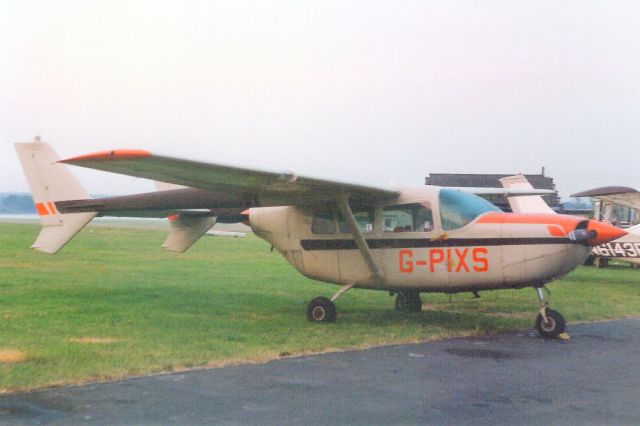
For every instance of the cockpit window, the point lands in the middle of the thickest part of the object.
(458, 208)
(415, 217)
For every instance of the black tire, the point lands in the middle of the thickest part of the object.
(553, 327)
(408, 301)
(601, 262)
(321, 309)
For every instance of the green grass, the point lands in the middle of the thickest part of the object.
(226, 300)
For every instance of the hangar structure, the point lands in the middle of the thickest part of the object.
(538, 181)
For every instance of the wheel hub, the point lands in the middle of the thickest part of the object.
(319, 313)
(548, 325)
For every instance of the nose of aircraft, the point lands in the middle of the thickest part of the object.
(603, 233)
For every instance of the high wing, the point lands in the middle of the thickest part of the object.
(193, 195)
(621, 195)
(267, 188)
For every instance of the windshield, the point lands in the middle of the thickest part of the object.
(458, 208)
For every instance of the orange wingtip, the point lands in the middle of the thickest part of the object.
(116, 154)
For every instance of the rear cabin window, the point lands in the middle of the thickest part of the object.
(323, 223)
(458, 208)
(415, 217)
(364, 219)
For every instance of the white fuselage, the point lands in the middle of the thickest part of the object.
(625, 249)
(494, 250)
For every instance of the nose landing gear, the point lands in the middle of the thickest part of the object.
(549, 323)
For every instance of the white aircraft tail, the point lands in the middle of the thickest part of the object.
(50, 182)
(527, 203)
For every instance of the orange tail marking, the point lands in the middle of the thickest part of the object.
(52, 207)
(42, 210)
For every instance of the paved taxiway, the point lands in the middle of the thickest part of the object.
(513, 378)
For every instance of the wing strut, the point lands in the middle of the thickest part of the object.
(347, 214)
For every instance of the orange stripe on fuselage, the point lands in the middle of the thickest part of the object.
(567, 223)
(52, 207)
(116, 154)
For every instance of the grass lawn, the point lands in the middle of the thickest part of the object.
(113, 304)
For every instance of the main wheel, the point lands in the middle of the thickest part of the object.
(601, 262)
(553, 326)
(321, 309)
(408, 301)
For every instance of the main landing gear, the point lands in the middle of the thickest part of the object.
(408, 301)
(321, 309)
(549, 323)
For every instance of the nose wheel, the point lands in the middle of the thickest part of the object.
(549, 323)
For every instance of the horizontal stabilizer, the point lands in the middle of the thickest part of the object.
(53, 237)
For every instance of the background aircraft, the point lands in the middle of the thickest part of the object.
(627, 248)
(405, 241)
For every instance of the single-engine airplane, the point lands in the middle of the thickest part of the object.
(405, 241)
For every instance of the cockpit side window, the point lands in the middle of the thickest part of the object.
(416, 217)
(458, 208)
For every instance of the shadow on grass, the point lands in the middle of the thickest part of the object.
(451, 321)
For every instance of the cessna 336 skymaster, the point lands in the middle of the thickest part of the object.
(406, 241)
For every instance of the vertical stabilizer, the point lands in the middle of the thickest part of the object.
(524, 203)
(50, 182)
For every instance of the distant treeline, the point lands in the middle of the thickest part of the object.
(12, 203)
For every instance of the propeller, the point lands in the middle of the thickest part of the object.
(593, 233)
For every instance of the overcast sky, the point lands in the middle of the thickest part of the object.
(378, 92)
